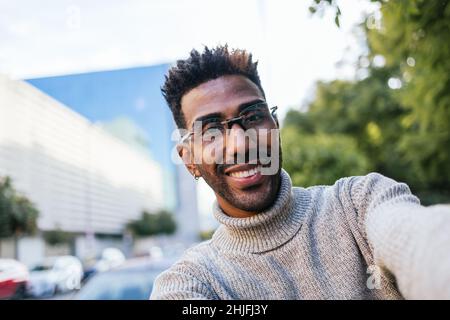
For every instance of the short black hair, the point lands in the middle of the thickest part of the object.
(202, 67)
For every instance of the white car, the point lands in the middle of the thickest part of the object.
(13, 279)
(110, 258)
(55, 274)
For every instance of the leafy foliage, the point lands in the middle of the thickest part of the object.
(18, 215)
(321, 158)
(57, 236)
(401, 131)
(414, 38)
(149, 224)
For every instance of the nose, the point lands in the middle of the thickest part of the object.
(236, 142)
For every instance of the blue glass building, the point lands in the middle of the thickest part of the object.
(128, 103)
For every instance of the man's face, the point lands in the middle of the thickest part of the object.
(237, 184)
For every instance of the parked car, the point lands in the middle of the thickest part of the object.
(110, 258)
(133, 280)
(55, 274)
(13, 279)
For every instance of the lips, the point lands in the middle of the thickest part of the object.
(240, 168)
(244, 176)
(245, 173)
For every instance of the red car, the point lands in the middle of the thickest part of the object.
(13, 279)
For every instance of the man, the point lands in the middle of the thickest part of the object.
(364, 237)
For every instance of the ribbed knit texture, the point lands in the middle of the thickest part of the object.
(316, 243)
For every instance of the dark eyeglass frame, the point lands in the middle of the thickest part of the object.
(229, 122)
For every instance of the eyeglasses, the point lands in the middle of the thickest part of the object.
(254, 116)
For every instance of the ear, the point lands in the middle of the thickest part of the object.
(276, 121)
(186, 155)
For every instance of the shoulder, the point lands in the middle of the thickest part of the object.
(364, 193)
(187, 278)
(195, 260)
(355, 195)
(361, 195)
(357, 188)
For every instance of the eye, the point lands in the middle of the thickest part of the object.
(211, 130)
(211, 134)
(255, 117)
(211, 127)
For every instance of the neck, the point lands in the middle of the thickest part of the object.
(269, 228)
(233, 211)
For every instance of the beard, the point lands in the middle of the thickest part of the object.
(252, 199)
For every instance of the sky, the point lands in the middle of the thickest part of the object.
(294, 49)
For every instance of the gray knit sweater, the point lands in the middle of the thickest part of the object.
(362, 238)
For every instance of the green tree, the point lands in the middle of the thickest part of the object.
(402, 130)
(364, 110)
(414, 38)
(320, 159)
(57, 236)
(18, 215)
(150, 224)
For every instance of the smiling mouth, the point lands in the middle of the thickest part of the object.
(245, 176)
(245, 173)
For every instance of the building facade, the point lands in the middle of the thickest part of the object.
(128, 104)
(81, 178)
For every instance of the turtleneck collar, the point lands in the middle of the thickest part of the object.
(266, 230)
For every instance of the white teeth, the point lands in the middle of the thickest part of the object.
(246, 173)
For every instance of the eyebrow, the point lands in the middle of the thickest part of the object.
(220, 115)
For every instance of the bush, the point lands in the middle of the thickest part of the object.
(57, 236)
(150, 224)
(321, 159)
(18, 215)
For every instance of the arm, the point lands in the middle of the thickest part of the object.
(411, 241)
(178, 284)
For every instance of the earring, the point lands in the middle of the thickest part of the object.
(196, 177)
